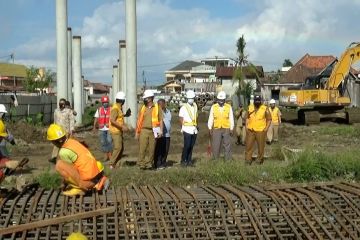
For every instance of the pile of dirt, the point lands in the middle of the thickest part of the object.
(27, 132)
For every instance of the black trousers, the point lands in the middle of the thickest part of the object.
(189, 142)
(161, 151)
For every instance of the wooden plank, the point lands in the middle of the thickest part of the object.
(57, 220)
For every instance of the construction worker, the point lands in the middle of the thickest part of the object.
(117, 127)
(102, 122)
(149, 127)
(9, 138)
(221, 126)
(68, 106)
(258, 120)
(64, 117)
(240, 125)
(273, 132)
(76, 164)
(163, 143)
(188, 115)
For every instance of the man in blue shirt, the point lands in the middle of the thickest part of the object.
(163, 143)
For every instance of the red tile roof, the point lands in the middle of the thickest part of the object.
(307, 66)
(228, 72)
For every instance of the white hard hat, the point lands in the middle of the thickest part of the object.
(272, 101)
(190, 94)
(148, 93)
(2, 108)
(221, 95)
(120, 95)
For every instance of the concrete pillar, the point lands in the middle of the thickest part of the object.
(111, 95)
(115, 77)
(122, 65)
(69, 77)
(77, 73)
(131, 60)
(61, 49)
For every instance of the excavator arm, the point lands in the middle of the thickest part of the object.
(342, 67)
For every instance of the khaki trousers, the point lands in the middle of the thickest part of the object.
(251, 138)
(147, 148)
(221, 136)
(273, 133)
(118, 148)
(241, 132)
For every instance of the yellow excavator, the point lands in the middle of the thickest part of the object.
(324, 95)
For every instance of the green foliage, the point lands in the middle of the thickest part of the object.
(340, 130)
(88, 117)
(287, 63)
(49, 180)
(37, 80)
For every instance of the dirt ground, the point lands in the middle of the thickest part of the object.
(31, 143)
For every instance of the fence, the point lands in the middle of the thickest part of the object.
(31, 107)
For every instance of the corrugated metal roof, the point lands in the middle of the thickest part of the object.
(185, 66)
(9, 69)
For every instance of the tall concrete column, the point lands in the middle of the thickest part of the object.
(77, 74)
(131, 59)
(69, 62)
(115, 76)
(61, 49)
(122, 65)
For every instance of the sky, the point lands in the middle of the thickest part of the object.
(171, 31)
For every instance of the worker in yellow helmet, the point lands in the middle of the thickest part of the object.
(273, 132)
(76, 164)
(76, 236)
(221, 126)
(258, 120)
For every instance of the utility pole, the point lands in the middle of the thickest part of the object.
(12, 56)
(144, 79)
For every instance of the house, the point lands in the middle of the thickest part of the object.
(218, 62)
(225, 75)
(12, 76)
(181, 72)
(96, 88)
(203, 73)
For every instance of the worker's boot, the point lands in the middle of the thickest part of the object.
(73, 191)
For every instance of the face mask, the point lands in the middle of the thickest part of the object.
(61, 105)
(145, 101)
(190, 101)
(106, 105)
(257, 104)
(221, 103)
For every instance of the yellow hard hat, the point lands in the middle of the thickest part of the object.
(3, 132)
(55, 132)
(100, 166)
(76, 236)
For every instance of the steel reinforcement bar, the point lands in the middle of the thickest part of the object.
(315, 211)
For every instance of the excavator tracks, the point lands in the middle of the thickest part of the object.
(315, 211)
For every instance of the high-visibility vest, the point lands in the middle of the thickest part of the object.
(104, 117)
(274, 115)
(192, 117)
(221, 118)
(154, 117)
(257, 119)
(85, 162)
(119, 119)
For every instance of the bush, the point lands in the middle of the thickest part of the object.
(88, 117)
(49, 180)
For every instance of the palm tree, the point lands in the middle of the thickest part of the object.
(244, 89)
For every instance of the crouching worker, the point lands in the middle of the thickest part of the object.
(76, 164)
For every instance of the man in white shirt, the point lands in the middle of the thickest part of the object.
(188, 118)
(221, 126)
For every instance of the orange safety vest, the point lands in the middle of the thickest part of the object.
(85, 162)
(274, 115)
(119, 119)
(193, 118)
(221, 118)
(257, 119)
(104, 117)
(154, 117)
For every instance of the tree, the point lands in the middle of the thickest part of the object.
(38, 79)
(244, 89)
(287, 63)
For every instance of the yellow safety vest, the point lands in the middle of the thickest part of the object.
(274, 115)
(193, 118)
(119, 119)
(221, 118)
(257, 119)
(154, 117)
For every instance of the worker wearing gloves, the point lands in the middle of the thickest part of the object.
(258, 120)
(117, 127)
(102, 122)
(240, 125)
(273, 132)
(188, 115)
(221, 126)
(9, 138)
(149, 127)
(76, 164)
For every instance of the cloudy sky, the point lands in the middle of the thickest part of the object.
(171, 31)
